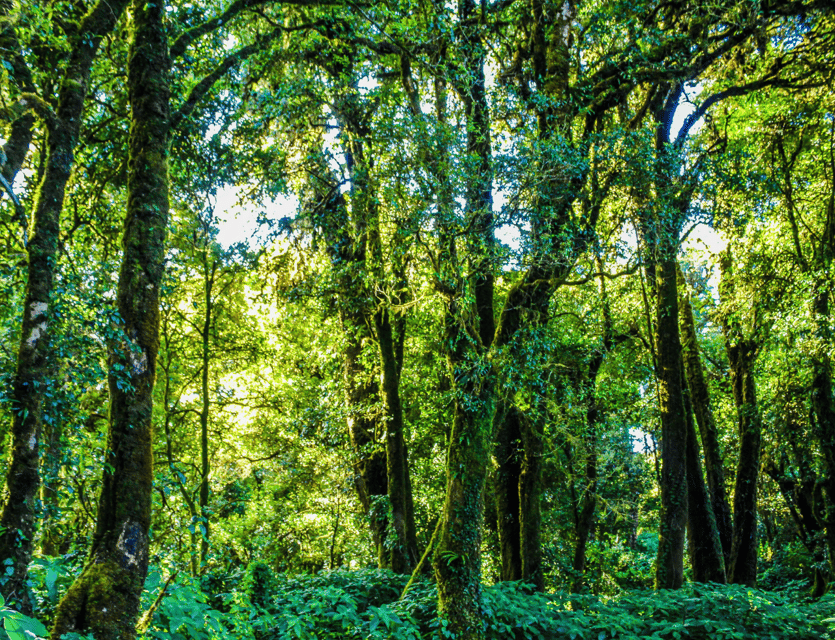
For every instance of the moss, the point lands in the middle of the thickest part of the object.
(100, 602)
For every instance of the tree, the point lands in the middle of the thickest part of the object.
(104, 600)
(31, 379)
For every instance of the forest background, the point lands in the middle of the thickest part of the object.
(472, 377)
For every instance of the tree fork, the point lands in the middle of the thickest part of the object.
(700, 397)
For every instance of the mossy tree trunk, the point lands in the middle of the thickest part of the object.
(530, 492)
(797, 484)
(400, 554)
(209, 274)
(706, 558)
(457, 559)
(404, 556)
(823, 404)
(31, 374)
(669, 570)
(700, 398)
(360, 386)
(509, 453)
(369, 325)
(525, 311)
(742, 353)
(660, 227)
(104, 600)
(467, 339)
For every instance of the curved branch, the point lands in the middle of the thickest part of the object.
(205, 85)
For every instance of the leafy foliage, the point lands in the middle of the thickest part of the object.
(365, 604)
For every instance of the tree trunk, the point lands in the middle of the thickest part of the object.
(798, 494)
(822, 388)
(824, 409)
(209, 271)
(744, 550)
(403, 552)
(104, 600)
(587, 503)
(457, 559)
(706, 557)
(669, 570)
(530, 513)
(31, 379)
(700, 397)
(509, 454)
(371, 474)
(742, 353)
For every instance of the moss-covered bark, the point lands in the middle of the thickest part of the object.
(104, 600)
(823, 404)
(509, 453)
(359, 383)
(743, 569)
(403, 552)
(669, 569)
(530, 511)
(585, 504)
(742, 352)
(209, 273)
(31, 374)
(467, 338)
(700, 398)
(797, 484)
(457, 559)
(706, 558)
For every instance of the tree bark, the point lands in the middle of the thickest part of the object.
(798, 494)
(104, 600)
(209, 271)
(457, 559)
(669, 570)
(706, 557)
(509, 453)
(586, 504)
(700, 397)
(530, 511)
(361, 392)
(822, 388)
(403, 553)
(742, 353)
(31, 374)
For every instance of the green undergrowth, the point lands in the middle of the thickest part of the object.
(364, 605)
(260, 605)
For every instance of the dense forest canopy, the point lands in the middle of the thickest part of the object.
(532, 337)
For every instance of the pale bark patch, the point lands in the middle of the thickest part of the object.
(139, 362)
(37, 332)
(37, 309)
(130, 543)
